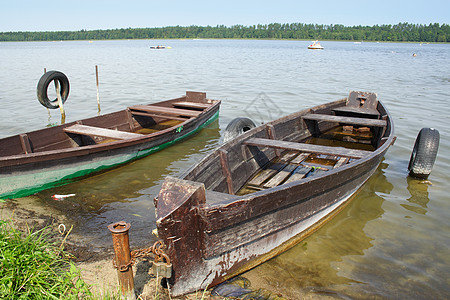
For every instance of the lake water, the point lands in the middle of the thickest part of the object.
(392, 241)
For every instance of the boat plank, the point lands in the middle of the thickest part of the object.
(192, 105)
(288, 156)
(266, 174)
(346, 120)
(299, 173)
(103, 132)
(146, 114)
(272, 169)
(280, 176)
(166, 110)
(301, 157)
(338, 151)
(340, 162)
(357, 111)
(286, 171)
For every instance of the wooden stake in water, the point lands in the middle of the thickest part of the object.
(98, 93)
(48, 110)
(60, 103)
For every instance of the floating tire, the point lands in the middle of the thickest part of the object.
(43, 84)
(424, 153)
(237, 127)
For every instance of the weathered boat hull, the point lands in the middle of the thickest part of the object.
(216, 269)
(28, 173)
(212, 234)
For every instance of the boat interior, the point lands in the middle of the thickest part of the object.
(296, 147)
(133, 122)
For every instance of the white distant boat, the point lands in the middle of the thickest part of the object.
(315, 45)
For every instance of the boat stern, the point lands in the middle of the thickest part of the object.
(181, 227)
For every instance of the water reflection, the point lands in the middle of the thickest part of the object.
(418, 189)
(323, 263)
(126, 193)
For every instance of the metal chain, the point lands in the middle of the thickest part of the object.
(145, 252)
(122, 268)
(156, 251)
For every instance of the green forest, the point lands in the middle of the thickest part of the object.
(402, 32)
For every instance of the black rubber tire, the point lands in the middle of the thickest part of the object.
(43, 84)
(424, 153)
(237, 127)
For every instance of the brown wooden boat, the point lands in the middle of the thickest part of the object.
(264, 191)
(53, 156)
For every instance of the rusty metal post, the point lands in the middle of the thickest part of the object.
(122, 252)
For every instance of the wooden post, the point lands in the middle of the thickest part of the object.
(122, 258)
(60, 103)
(48, 110)
(98, 93)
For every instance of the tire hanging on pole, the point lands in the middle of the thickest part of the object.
(43, 84)
(424, 153)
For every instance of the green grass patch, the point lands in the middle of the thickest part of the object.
(32, 267)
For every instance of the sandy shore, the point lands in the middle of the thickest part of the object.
(96, 267)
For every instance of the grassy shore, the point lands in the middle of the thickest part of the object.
(33, 267)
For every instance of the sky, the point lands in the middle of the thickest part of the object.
(50, 15)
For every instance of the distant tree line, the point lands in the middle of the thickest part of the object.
(402, 32)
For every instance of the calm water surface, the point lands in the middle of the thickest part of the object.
(391, 242)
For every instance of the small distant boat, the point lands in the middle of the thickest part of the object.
(315, 45)
(160, 47)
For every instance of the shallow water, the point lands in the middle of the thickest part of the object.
(392, 241)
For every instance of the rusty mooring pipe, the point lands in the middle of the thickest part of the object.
(121, 242)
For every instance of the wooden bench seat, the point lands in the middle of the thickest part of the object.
(357, 111)
(103, 132)
(166, 110)
(346, 120)
(196, 105)
(146, 114)
(337, 151)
